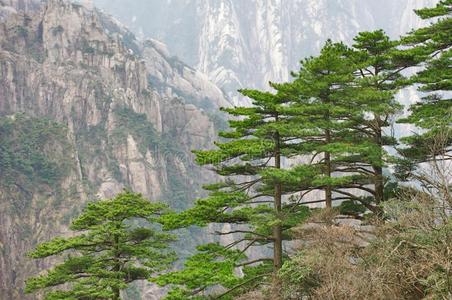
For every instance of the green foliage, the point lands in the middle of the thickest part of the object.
(110, 251)
(351, 208)
(334, 113)
(378, 77)
(32, 151)
(143, 131)
(338, 109)
(432, 44)
(213, 265)
(323, 113)
(259, 135)
(210, 210)
(443, 8)
(136, 124)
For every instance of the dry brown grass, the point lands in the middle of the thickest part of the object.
(408, 257)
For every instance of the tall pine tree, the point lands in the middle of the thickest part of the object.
(323, 104)
(378, 75)
(248, 204)
(433, 114)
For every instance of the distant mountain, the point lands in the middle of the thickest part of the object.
(247, 43)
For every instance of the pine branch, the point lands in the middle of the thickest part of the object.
(241, 231)
(253, 261)
(241, 284)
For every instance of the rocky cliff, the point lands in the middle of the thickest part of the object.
(247, 43)
(85, 111)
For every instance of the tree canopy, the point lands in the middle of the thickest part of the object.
(117, 243)
(433, 114)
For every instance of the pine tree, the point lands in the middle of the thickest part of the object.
(249, 202)
(433, 114)
(319, 87)
(323, 102)
(116, 245)
(378, 65)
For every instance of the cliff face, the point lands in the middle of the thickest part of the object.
(8, 7)
(247, 43)
(85, 111)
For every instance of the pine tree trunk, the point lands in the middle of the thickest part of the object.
(378, 170)
(277, 229)
(379, 184)
(117, 266)
(277, 232)
(328, 192)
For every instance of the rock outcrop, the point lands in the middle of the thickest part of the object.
(126, 115)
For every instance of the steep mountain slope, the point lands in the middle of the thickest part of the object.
(8, 7)
(85, 110)
(247, 43)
